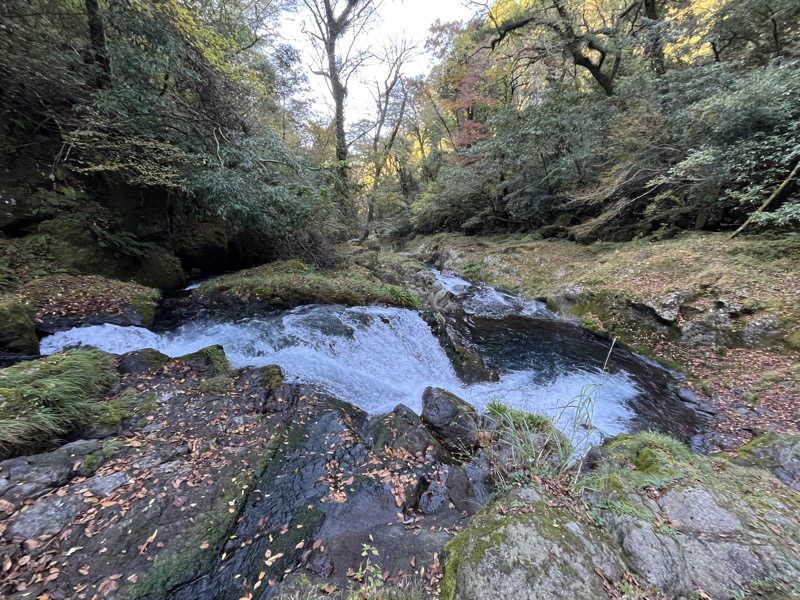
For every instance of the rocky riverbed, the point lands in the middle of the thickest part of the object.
(213, 473)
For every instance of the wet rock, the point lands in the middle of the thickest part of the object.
(452, 421)
(403, 428)
(777, 453)
(141, 361)
(477, 471)
(450, 488)
(467, 362)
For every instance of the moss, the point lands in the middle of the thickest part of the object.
(216, 385)
(90, 463)
(17, 329)
(212, 360)
(272, 376)
(644, 459)
(286, 284)
(518, 418)
(146, 305)
(53, 397)
(112, 412)
(753, 452)
(485, 527)
(793, 340)
(159, 269)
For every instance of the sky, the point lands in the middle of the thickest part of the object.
(409, 19)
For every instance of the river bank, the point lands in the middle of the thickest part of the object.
(727, 313)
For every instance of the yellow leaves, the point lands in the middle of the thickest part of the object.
(150, 540)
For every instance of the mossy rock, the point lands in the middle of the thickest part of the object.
(520, 547)
(218, 385)
(204, 247)
(17, 328)
(777, 453)
(272, 376)
(141, 361)
(286, 284)
(72, 244)
(64, 301)
(160, 269)
(793, 340)
(210, 360)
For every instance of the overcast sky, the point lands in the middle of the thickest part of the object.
(409, 19)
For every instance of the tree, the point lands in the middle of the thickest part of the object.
(391, 99)
(337, 26)
(592, 36)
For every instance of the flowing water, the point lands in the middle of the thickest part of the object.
(377, 357)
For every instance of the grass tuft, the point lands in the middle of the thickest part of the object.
(45, 400)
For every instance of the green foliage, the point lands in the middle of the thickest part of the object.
(701, 125)
(45, 400)
(190, 106)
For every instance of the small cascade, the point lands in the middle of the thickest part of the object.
(377, 357)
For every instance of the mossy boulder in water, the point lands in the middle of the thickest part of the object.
(286, 284)
(210, 360)
(17, 329)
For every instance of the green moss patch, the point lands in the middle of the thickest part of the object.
(17, 329)
(286, 284)
(272, 376)
(45, 400)
(211, 360)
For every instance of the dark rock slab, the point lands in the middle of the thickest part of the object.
(453, 421)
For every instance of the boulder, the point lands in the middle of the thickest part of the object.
(211, 360)
(402, 428)
(522, 548)
(141, 361)
(775, 452)
(453, 421)
(678, 522)
(17, 329)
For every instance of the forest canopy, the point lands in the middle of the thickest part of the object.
(596, 119)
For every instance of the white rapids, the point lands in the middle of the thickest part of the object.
(373, 357)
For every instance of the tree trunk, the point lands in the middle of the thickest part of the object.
(98, 54)
(781, 188)
(655, 43)
(339, 92)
